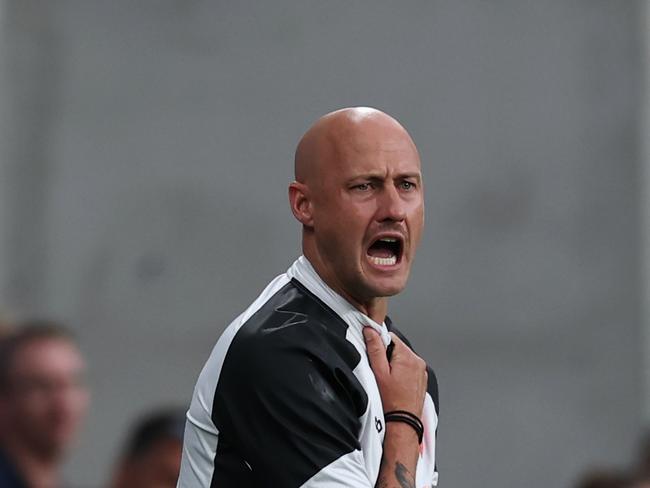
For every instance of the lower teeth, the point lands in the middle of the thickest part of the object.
(384, 261)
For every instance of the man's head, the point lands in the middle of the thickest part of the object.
(360, 198)
(42, 394)
(153, 454)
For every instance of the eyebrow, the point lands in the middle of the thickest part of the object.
(417, 176)
(378, 176)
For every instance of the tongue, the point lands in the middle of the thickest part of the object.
(380, 252)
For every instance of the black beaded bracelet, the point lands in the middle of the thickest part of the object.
(407, 418)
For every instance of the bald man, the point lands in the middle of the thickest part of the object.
(312, 385)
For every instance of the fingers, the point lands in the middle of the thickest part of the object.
(400, 350)
(376, 352)
(402, 381)
(404, 354)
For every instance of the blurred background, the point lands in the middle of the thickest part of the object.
(145, 151)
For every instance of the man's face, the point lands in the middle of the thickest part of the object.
(368, 211)
(157, 468)
(46, 399)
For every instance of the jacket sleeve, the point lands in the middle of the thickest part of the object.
(292, 411)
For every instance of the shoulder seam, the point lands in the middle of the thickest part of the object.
(319, 302)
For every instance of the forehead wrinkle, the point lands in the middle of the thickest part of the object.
(377, 159)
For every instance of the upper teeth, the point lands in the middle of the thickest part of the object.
(388, 239)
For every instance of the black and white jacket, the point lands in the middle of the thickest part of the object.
(287, 398)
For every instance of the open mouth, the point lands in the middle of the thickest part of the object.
(385, 251)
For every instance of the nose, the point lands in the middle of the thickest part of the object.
(391, 206)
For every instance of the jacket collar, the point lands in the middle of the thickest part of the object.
(304, 272)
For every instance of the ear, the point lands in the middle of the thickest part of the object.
(300, 203)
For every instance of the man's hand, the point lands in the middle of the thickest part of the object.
(402, 381)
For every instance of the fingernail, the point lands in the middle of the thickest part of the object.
(367, 330)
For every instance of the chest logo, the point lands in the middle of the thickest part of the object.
(378, 425)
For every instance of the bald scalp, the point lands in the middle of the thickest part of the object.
(319, 146)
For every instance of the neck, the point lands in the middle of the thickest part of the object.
(375, 307)
(39, 469)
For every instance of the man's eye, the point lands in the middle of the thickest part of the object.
(407, 185)
(362, 186)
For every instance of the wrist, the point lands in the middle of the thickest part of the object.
(407, 418)
(402, 432)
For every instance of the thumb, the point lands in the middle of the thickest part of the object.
(376, 352)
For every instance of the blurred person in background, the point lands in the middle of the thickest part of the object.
(642, 462)
(152, 456)
(43, 400)
(643, 455)
(5, 328)
(601, 478)
(5, 331)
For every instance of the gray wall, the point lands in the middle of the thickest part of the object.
(146, 148)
